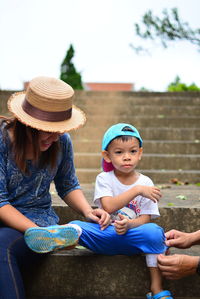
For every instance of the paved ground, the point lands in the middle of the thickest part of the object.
(172, 195)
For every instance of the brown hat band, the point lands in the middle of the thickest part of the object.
(52, 116)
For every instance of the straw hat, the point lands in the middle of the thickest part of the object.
(47, 106)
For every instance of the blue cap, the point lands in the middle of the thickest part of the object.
(114, 132)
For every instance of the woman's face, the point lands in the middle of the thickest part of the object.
(46, 139)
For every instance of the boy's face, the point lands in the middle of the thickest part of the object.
(124, 155)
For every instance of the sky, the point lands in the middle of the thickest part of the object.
(36, 34)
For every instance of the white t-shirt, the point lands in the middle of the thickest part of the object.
(107, 184)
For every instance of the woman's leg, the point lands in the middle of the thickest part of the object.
(14, 253)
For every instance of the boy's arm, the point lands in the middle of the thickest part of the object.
(111, 204)
(139, 221)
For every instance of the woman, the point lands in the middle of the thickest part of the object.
(34, 151)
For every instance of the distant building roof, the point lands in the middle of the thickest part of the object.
(102, 86)
(109, 86)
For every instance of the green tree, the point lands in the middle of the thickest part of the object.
(177, 85)
(68, 71)
(166, 29)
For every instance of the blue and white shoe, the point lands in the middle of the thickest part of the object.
(47, 239)
(161, 295)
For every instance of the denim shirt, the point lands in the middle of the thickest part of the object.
(30, 193)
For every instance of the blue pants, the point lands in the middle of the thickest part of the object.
(147, 238)
(14, 255)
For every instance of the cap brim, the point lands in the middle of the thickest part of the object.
(107, 166)
(77, 119)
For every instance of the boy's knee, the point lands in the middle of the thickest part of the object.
(153, 233)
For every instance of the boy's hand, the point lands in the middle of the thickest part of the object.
(150, 192)
(122, 225)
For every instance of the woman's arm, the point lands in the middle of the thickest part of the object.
(13, 218)
(77, 201)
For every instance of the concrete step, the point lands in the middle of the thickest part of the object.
(79, 273)
(150, 146)
(154, 98)
(89, 132)
(137, 110)
(136, 98)
(140, 121)
(149, 161)
(88, 176)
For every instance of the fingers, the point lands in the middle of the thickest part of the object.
(166, 265)
(105, 222)
(122, 216)
(103, 218)
(165, 261)
(156, 194)
(177, 239)
(153, 193)
(171, 243)
(120, 229)
(171, 234)
(121, 226)
(177, 266)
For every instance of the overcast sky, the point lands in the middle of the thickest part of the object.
(35, 35)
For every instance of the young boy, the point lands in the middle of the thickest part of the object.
(131, 200)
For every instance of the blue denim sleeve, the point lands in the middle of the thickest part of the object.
(4, 197)
(66, 179)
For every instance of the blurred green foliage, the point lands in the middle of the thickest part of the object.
(68, 70)
(177, 86)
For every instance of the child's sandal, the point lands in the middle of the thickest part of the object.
(161, 295)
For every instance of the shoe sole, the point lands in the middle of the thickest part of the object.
(43, 240)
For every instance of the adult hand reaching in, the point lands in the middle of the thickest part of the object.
(178, 265)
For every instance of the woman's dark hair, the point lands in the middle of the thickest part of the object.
(24, 135)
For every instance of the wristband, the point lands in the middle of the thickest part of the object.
(198, 268)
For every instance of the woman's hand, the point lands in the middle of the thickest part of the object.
(122, 225)
(178, 239)
(99, 216)
(177, 266)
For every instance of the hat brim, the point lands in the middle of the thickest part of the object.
(77, 119)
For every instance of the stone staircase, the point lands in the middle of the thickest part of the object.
(169, 125)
